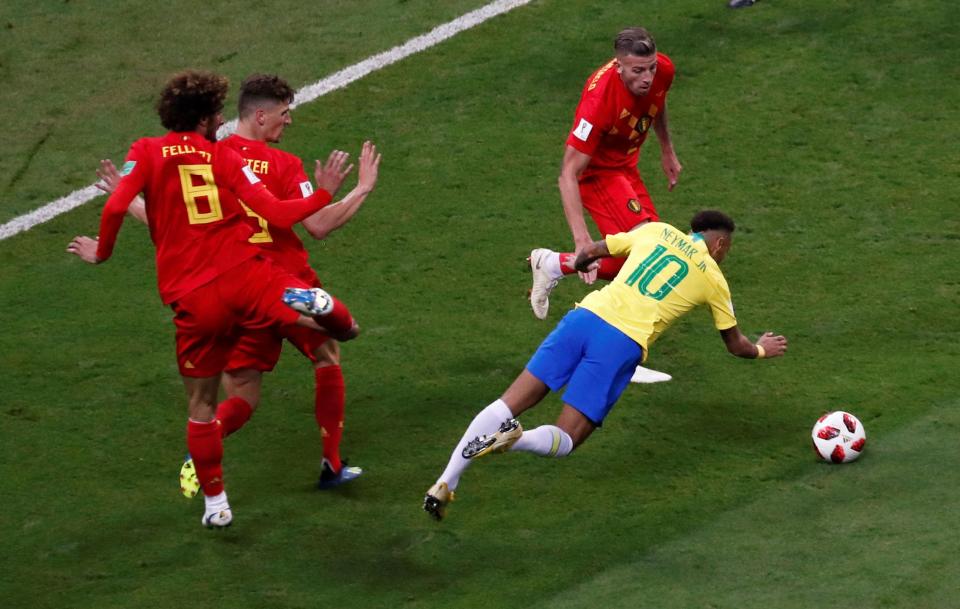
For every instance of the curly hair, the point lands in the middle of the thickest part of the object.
(711, 219)
(258, 88)
(189, 97)
(635, 41)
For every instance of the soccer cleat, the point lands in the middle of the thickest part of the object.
(312, 301)
(436, 500)
(510, 431)
(740, 3)
(543, 283)
(219, 519)
(189, 484)
(646, 376)
(329, 479)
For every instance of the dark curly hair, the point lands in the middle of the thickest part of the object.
(258, 88)
(189, 97)
(635, 41)
(711, 219)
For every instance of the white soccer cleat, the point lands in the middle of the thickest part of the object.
(218, 519)
(543, 282)
(309, 301)
(646, 376)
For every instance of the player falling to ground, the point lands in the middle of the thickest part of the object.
(596, 346)
(264, 114)
(619, 104)
(215, 281)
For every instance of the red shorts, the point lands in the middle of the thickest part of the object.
(260, 349)
(617, 200)
(211, 319)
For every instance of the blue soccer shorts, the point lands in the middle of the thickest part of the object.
(591, 358)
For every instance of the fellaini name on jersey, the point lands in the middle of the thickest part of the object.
(582, 132)
(168, 151)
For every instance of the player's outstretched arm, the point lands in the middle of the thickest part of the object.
(110, 179)
(574, 163)
(769, 345)
(668, 158)
(84, 248)
(330, 175)
(587, 257)
(332, 217)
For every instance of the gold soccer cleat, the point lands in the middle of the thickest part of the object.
(436, 500)
(510, 431)
(189, 484)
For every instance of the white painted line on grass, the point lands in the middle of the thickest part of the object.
(305, 95)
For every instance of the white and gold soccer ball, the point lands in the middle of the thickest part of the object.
(839, 437)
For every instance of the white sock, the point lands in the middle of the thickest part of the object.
(487, 421)
(551, 264)
(216, 503)
(546, 441)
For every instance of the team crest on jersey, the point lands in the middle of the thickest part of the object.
(127, 168)
(634, 206)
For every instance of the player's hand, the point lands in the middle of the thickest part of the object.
(773, 345)
(84, 248)
(109, 176)
(369, 166)
(671, 167)
(590, 276)
(330, 175)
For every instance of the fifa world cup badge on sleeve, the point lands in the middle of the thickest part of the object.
(582, 132)
(127, 168)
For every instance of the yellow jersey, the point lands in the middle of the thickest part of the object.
(667, 273)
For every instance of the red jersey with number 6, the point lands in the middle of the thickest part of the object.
(611, 122)
(196, 222)
(283, 175)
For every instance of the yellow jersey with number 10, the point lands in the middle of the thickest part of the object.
(667, 273)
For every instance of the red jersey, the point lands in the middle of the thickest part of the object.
(283, 175)
(191, 187)
(611, 122)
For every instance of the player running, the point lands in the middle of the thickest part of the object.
(596, 346)
(264, 114)
(207, 271)
(619, 104)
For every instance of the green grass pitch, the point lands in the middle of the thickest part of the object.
(827, 128)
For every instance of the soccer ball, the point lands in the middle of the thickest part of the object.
(838, 437)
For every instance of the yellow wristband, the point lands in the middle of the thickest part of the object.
(760, 352)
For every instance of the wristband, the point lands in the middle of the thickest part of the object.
(760, 352)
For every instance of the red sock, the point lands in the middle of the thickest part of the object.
(206, 449)
(609, 267)
(328, 408)
(338, 320)
(232, 414)
(563, 264)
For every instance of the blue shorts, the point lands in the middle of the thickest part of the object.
(592, 358)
